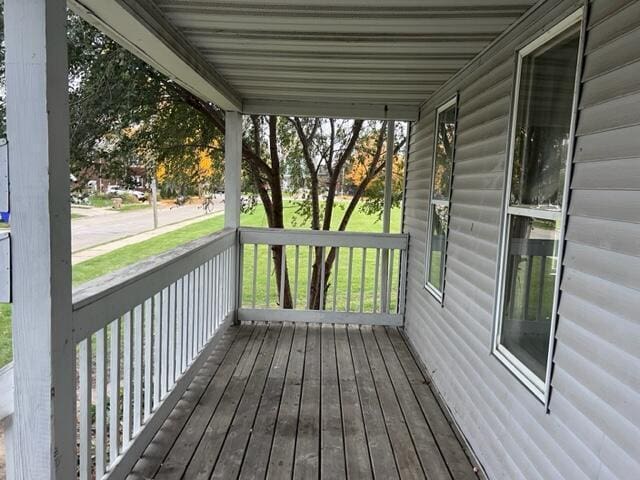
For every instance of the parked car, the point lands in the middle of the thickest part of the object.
(117, 190)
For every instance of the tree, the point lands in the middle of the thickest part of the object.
(120, 108)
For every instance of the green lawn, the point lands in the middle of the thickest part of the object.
(5, 334)
(358, 223)
(361, 288)
(128, 255)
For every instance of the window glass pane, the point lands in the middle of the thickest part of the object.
(529, 289)
(445, 136)
(440, 217)
(543, 122)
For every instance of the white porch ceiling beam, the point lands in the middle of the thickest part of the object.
(141, 28)
(366, 111)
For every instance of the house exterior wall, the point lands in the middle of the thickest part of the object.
(592, 428)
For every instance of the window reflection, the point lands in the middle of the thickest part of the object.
(440, 215)
(545, 100)
(529, 290)
(444, 153)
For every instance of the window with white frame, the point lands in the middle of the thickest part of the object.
(536, 197)
(443, 148)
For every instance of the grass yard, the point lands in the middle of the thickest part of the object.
(5, 334)
(131, 254)
(361, 294)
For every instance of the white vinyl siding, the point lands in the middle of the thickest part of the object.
(591, 427)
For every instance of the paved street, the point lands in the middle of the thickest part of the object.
(95, 228)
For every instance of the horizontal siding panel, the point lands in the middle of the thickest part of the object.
(421, 183)
(497, 77)
(584, 439)
(490, 103)
(612, 55)
(607, 356)
(482, 147)
(614, 267)
(600, 413)
(477, 181)
(480, 164)
(489, 109)
(489, 129)
(619, 301)
(622, 237)
(621, 205)
(620, 22)
(618, 83)
(610, 145)
(618, 113)
(477, 213)
(481, 232)
(485, 251)
(604, 389)
(623, 174)
(621, 333)
(601, 11)
(481, 269)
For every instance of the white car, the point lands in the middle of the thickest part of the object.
(117, 190)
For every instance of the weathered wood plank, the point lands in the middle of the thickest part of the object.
(358, 463)
(284, 440)
(183, 432)
(308, 438)
(204, 458)
(380, 452)
(256, 462)
(173, 426)
(453, 453)
(430, 457)
(332, 461)
(307, 401)
(401, 441)
(235, 443)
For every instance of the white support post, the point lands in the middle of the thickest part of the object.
(386, 214)
(44, 432)
(232, 168)
(388, 177)
(232, 179)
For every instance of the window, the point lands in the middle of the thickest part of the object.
(536, 191)
(444, 143)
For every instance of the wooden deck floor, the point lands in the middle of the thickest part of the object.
(307, 401)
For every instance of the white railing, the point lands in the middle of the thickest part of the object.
(142, 333)
(322, 276)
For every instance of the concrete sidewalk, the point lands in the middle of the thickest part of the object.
(96, 251)
(99, 228)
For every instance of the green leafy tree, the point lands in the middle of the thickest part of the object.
(122, 109)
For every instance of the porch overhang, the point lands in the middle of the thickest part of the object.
(355, 59)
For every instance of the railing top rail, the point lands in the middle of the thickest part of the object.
(323, 238)
(6, 391)
(119, 291)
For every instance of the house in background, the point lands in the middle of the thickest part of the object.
(514, 283)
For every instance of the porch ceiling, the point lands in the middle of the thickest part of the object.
(363, 58)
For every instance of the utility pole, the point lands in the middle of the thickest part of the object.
(154, 199)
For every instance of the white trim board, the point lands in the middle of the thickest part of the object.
(320, 316)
